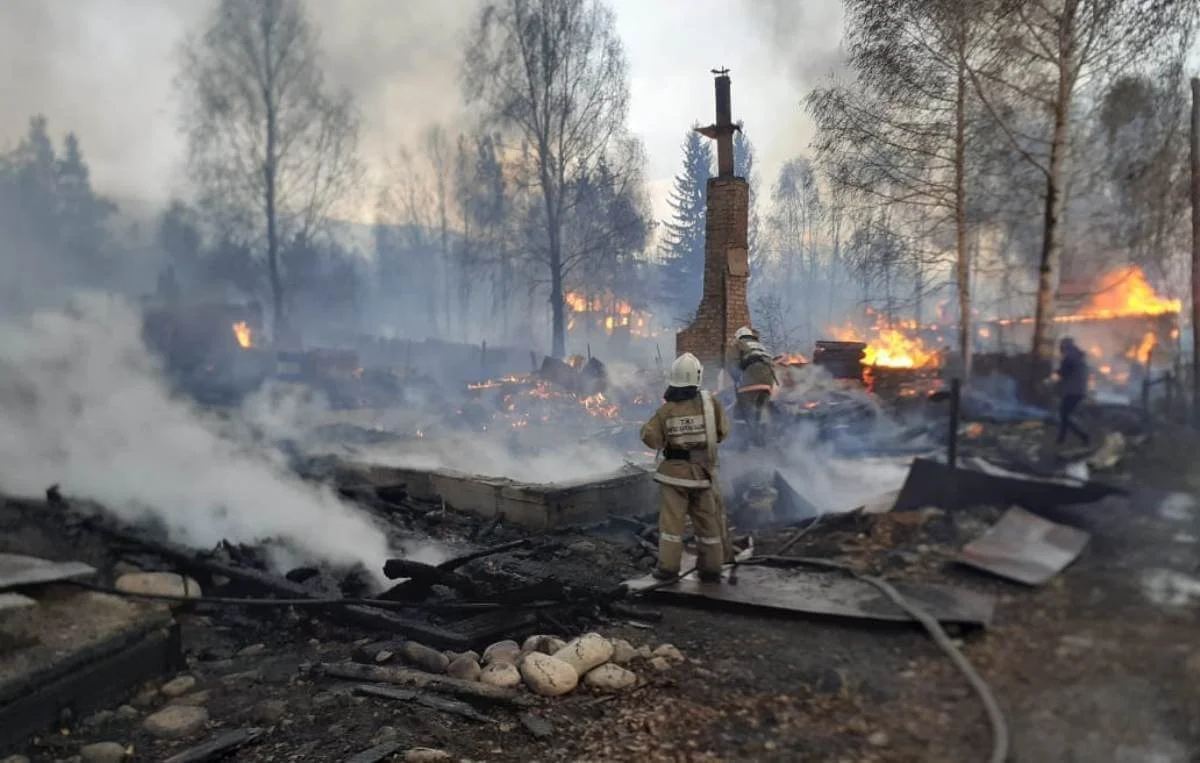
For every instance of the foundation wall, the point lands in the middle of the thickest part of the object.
(628, 492)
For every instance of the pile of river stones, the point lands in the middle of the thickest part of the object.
(547, 665)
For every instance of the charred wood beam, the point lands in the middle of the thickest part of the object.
(483, 531)
(633, 613)
(486, 628)
(470, 690)
(356, 614)
(427, 574)
(375, 754)
(458, 561)
(451, 706)
(217, 747)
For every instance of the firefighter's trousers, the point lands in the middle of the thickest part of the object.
(754, 407)
(700, 505)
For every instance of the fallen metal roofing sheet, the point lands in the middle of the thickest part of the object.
(832, 594)
(1024, 547)
(18, 570)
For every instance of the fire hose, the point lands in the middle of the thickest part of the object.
(999, 726)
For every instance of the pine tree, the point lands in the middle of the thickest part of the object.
(743, 167)
(683, 243)
(82, 215)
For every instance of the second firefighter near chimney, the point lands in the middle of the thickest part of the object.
(723, 306)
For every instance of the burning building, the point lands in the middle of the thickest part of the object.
(1120, 321)
(605, 314)
(723, 306)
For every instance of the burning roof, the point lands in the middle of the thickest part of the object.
(1120, 293)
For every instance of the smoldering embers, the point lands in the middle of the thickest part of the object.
(82, 404)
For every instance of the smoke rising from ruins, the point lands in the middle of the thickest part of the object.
(82, 405)
(105, 69)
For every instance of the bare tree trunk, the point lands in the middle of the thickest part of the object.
(558, 325)
(919, 293)
(1042, 348)
(270, 183)
(1196, 249)
(963, 269)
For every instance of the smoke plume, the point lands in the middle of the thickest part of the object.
(82, 404)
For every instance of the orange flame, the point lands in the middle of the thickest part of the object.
(795, 359)
(1125, 292)
(243, 334)
(607, 312)
(1141, 353)
(891, 347)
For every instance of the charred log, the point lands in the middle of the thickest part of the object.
(216, 748)
(441, 704)
(418, 679)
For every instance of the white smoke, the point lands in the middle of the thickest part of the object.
(477, 454)
(82, 404)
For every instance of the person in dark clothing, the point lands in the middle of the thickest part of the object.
(1072, 388)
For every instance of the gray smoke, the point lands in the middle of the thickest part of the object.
(805, 36)
(106, 68)
(82, 404)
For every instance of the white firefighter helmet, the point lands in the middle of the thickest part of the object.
(744, 332)
(686, 371)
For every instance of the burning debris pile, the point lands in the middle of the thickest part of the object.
(893, 359)
(576, 396)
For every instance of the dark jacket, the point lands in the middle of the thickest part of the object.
(1073, 372)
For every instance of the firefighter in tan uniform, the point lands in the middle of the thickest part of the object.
(756, 381)
(687, 428)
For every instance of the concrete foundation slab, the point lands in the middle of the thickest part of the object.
(626, 492)
(78, 651)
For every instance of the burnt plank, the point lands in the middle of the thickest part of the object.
(451, 706)
(217, 747)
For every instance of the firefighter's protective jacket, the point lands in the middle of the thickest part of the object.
(689, 446)
(754, 364)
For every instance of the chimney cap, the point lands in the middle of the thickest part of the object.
(721, 72)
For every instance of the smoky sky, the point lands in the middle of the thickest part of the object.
(105, 69)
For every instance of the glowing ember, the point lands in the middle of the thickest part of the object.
(795, 359)
(244, 335)
(599, 405)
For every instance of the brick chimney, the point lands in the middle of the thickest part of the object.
(723, 307)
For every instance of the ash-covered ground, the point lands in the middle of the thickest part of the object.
(1100, 664)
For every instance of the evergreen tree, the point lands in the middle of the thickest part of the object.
(743, 167)
(683, 243)
(82, 215)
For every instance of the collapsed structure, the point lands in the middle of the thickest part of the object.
(723, 307)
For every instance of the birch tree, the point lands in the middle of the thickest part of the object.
(898, 133)
(554, 72)
(273, 149)
(1044, 56)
